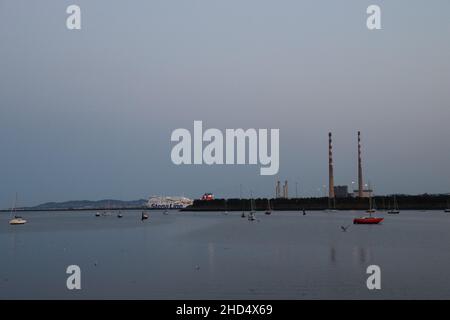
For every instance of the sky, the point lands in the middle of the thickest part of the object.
(88, 114)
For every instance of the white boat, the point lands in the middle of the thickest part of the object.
(16, 220)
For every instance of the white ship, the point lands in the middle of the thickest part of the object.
(162, 202)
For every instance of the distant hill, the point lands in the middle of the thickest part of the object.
(87, 204)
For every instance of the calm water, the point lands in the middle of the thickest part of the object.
(215, 256)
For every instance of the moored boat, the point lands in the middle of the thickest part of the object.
(252, 214)
(269, 210)
(395, 209)
(367, 220)
(16, 220)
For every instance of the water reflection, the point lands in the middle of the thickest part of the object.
(361, 255)
(333, 255)
(211, 257)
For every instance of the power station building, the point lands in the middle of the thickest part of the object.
(278, 194)
(341, 191)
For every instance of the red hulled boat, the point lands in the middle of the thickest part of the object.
(367, 220)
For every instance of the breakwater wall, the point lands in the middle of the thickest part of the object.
(404, 202)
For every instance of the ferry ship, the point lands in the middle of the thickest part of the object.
(163, 202)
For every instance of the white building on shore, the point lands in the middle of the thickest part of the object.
(163, 202)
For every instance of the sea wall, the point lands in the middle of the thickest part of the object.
(405, 202)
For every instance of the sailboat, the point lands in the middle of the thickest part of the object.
(16, 220)
(371, 208)
(242, 202)
(144, 216)
(107, 211)
(447, 210)
(226, 206)
(394, 210)
(371, 203)
(331, 208)
(269, 210)
(369, 219)
(252, 214)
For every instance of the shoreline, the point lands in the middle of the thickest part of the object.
(404, 202)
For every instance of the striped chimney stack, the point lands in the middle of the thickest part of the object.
(360, 177)
(330, 168)
(285, 190)
(277, 189)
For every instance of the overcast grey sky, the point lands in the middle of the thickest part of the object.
(88, 114)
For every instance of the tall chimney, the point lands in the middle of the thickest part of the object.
(360, 177)
(285, 190)
(277, 189)
(330, 169)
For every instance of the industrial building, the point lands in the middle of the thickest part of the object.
(341, 191)
(278, 193)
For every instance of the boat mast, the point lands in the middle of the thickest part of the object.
(240, 197)
(13, 209)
